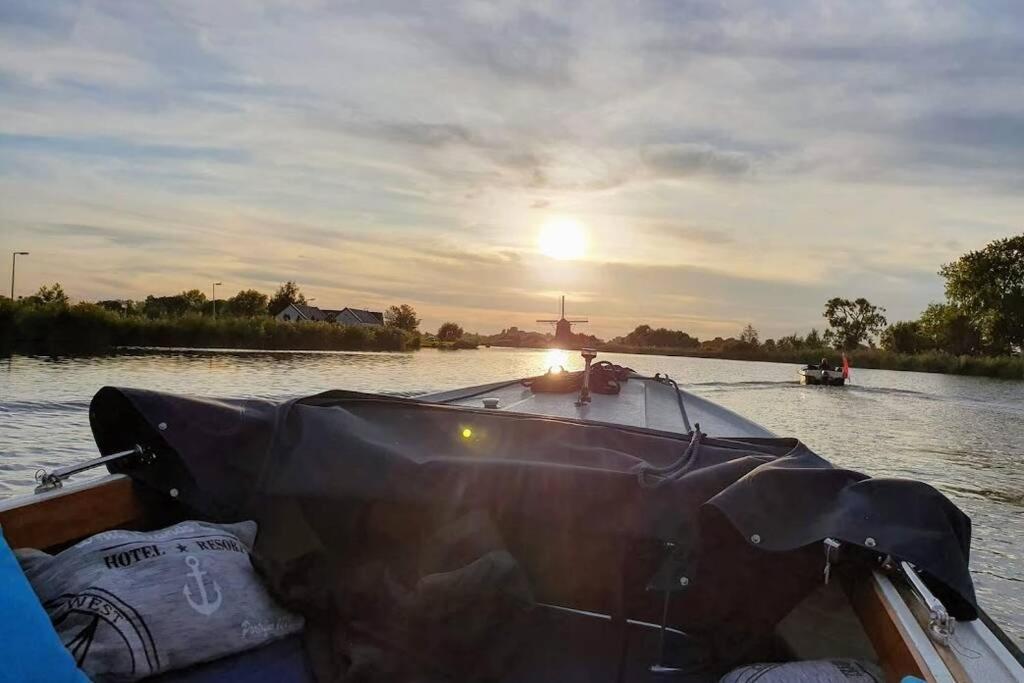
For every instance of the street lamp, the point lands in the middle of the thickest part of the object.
(14, 260)
(215, 298)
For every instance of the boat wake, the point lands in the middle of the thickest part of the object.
(750, 384)
(43, 406)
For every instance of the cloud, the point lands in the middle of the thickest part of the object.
(385, 151)
(117, 148)
(687, 233)
(123, 237)
(688, 160)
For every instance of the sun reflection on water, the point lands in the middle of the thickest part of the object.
(555, 360)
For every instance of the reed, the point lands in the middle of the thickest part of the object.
(86, 328)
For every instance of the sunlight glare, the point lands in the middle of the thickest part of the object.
(555, 360)
(562, 238)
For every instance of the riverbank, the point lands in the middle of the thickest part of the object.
(84, 328)
(1005, 367)
(448, 345)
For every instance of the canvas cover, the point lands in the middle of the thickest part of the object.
(368, 503)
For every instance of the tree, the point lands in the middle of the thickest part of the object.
(163, 306)
(905, 337)
(53, 294)
(791, 342)
(286, 295)
(194, 300)
(813, 339)
(449, 332)
(852, 322)
(750, 335)
(403, 317)
(248, 303)
(191, 301)
(123, 306)
(663, 338)
(988, 285)
(950, 329)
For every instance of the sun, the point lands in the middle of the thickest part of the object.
(562, 238)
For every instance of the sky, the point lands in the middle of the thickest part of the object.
(724, 162)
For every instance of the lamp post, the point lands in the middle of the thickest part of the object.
(14, 261)
(215, 298)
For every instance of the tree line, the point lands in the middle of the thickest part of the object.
(983, 315)
(984, 309)
(247, 303)
(47, 322)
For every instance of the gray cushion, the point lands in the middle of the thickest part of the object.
(130, 604)
(817, 671)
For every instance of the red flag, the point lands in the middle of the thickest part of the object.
(846, 367)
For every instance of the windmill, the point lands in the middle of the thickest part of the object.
(563, 327)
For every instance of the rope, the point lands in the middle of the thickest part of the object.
(651, 477)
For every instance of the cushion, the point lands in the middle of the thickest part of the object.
(131, 604)
(30, 650)
(816, 671)
(283, 661)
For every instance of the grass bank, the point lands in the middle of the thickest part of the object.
(1006, 367)
(85, 328)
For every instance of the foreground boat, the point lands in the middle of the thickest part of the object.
(660, 533)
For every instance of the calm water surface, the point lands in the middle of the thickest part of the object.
(963, 435)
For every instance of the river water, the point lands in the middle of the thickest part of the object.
(963, 435)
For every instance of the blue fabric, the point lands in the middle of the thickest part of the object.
(30, 650)
(283, 661)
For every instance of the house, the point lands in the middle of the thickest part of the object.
(344, 316)
(358, 316)
(296, 312)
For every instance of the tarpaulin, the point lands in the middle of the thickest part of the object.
(595, 516)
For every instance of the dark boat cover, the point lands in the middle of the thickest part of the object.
(416, 537)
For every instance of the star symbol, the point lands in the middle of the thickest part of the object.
(182, 548)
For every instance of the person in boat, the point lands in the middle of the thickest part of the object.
(825, 364)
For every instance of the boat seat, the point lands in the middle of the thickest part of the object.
(283, 661)
(561, 646)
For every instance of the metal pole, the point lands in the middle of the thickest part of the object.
(14, 260)
(215, 299)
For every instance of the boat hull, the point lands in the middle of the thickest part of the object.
(829, 378)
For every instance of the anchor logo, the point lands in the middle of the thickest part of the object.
(204, 606)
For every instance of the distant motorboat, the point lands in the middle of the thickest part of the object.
(822, 374)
